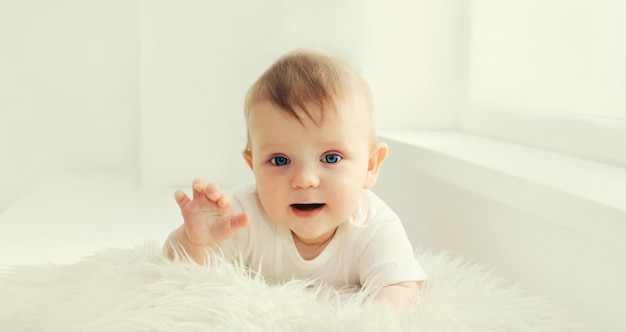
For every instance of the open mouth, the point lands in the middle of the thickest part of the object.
(307, 207)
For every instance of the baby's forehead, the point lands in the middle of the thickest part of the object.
(317, 112)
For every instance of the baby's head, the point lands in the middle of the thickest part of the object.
(311, 141)
(308, 85)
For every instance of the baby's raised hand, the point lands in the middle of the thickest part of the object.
(208, 216)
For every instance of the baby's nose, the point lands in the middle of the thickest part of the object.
(305, 178)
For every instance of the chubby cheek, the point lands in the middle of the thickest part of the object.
(270, 195)
(345, 202)
(345, 191)
(262, 178)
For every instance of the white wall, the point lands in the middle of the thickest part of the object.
(68, 89)
(416, 58)
(561, 55)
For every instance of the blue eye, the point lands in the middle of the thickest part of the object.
(280, 161)
(331, 158)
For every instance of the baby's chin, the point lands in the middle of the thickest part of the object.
(314, 237)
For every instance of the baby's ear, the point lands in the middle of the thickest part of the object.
(377, 156)
(247, 156)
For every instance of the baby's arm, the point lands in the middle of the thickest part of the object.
(401, 295)
(208, 220)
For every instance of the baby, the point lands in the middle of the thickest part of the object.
(314, 155)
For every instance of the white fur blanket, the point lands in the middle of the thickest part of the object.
(138, 289)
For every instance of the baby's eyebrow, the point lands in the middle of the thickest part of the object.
(267, 150)
(272, 146)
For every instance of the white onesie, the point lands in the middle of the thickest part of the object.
(371, 249)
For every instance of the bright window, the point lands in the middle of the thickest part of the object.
(549, 73)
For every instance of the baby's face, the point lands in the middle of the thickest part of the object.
(308, 176)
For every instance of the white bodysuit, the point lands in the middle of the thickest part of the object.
(371, 249)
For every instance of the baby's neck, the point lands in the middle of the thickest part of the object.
(309, 251)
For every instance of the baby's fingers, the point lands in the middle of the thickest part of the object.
(197, 188)
(229, 226)
(240, 221)
(212, 192)
(222, 201)
(181, 198)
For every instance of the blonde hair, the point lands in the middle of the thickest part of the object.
(303, 82)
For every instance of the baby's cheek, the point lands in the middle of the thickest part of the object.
(270, 199)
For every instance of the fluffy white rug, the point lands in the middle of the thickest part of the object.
(138, 289)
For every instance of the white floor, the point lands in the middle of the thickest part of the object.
(65, 217)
